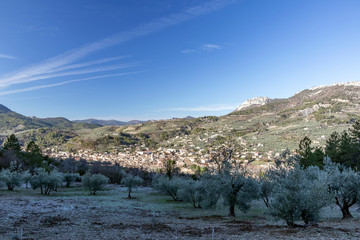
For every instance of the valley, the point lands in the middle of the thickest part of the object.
(259, 130)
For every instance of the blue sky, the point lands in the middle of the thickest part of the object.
(158, 59)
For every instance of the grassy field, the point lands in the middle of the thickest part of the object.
(73, 214)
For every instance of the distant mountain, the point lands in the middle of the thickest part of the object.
(260, 125)
(11, 121)
(108, 122)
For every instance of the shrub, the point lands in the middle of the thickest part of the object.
(94, 182)
(69, 178)
(162, 184)
(12, 179)
(131, 182)
(114, 172)
(46, 181)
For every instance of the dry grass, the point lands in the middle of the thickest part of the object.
(72, 214)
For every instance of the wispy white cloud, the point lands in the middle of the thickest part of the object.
(87, 64)
(67, 60)
(207, 108)
(210, 47)
(186, 51)
(205, 47)
(69, 73)
(28, 89)
(7, 56)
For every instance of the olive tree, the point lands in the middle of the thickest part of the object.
(26, 176)
(131, 182)
(203, 193)
(237, 187)
(69, 178)
(94, 182)
(167, 186)
(12, 179)
(268, 178)
(300, 194)
(266, 188)
(239, 190)
(344, 183)
(46, 181)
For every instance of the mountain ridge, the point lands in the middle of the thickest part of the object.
(266, 126)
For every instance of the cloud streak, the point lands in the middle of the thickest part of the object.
(210, 47)
(70, 73)
(61, 62)
(187, 51)
(87, 64)
(62, 83)
(205, 47)
(7, 56)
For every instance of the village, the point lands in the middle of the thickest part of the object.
(154, 160)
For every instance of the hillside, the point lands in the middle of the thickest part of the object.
(12, 122)
(268, 125)
(262, 127)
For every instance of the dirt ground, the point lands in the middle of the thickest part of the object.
(73, 214)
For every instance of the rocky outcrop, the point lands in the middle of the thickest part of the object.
(257, 101)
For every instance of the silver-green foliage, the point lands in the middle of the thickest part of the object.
(203, 193)
(238, 188)
(94, 182)
(344, 183)
(266, 188)
(69, 178)
(46, 181)
(26, 176)
(300, 194)
(12, 179)
(131, 182)
(167, 186)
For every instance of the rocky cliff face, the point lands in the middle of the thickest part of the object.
(252, 102)
(345, 94)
